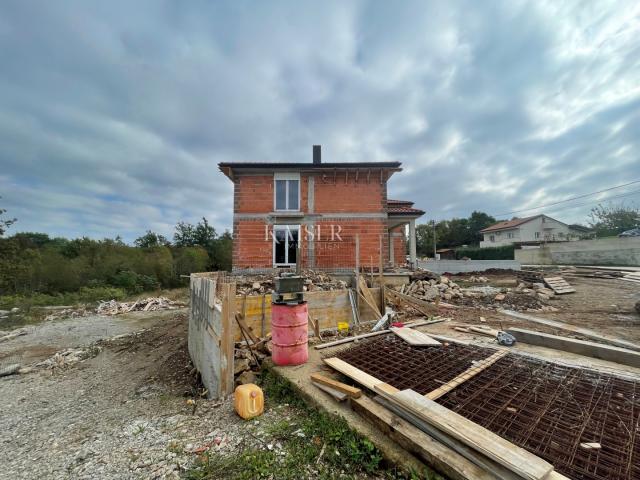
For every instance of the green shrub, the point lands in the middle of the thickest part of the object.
(134, 282)
(504, 252)
(84, 295)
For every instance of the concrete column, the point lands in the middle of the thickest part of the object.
(392, 258)
(412, 242)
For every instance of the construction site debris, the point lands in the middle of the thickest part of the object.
(525, 296)
(151, 304)
(313, 281)
(4, 337)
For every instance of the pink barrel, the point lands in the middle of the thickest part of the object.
(289, 333)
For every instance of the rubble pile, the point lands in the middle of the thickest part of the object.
(69, 356)
(261, 284)
(525, 297)
(151, 304)
(429, 290)
(248, 360)
(68, 313)
(478, 279)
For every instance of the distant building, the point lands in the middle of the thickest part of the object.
(446, 253)
(530, 230)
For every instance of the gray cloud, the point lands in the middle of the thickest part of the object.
(114, 115)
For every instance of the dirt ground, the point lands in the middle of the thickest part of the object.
(121, 414)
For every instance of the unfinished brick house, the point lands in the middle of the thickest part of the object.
(327, 216)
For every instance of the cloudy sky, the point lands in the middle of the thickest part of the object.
(114, 115)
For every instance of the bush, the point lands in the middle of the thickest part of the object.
(505, 252)
(84, 295)
(134, 282)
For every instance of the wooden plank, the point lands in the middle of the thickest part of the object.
(373, 334)
(442, 458)
(514, 458)
(559, 285)
(353, 392)
(227, 343)
(466, 375)
(488, 467)
(353, 373)
(247, 330)
(490, 332)
(339, 396)
(571, 328)
(327, 308)
(367, 296)
(414, 337)
(580, 347)
(416, 302)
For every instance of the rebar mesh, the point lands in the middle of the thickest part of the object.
(546, 408)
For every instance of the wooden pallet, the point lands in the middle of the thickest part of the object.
(559, 285)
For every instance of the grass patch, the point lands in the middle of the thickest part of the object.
(84, 295)
(314, 445)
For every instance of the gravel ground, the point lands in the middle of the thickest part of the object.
(121, 414)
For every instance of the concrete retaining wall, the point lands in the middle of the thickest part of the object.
(462, 266)
(604, 251)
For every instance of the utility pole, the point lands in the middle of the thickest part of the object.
(434, 239)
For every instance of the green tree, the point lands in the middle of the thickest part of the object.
(150, 240)
(5, 223)
(478, 221)
(608, 220)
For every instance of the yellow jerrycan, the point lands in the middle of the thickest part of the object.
(248, 401)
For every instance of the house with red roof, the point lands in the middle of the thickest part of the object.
(529, 230)
(319, 215)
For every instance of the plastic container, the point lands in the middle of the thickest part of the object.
(289, 336)
(248, 401)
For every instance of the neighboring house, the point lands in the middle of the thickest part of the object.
(529, 230)
(321, 212)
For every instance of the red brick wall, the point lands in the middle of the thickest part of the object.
(335, 253)
(250, 247)
(347, 195)
(254, 194)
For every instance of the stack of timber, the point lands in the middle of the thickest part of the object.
(452, 444)
(559, 285)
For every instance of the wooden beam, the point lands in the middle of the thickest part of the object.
(414, 337)
(243, 325)
(373, 334)
(466, 375)
(418, 304)
(487, 467)
(353, 392)
(353, 373)
(571, 328)
(227, 343)
(445, 460)
(339, 396)
(512, 457)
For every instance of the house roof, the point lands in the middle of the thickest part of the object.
(229, 167)
(508, 224)
(402, 207)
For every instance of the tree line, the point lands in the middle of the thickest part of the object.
(602, 221)
(35, 263)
